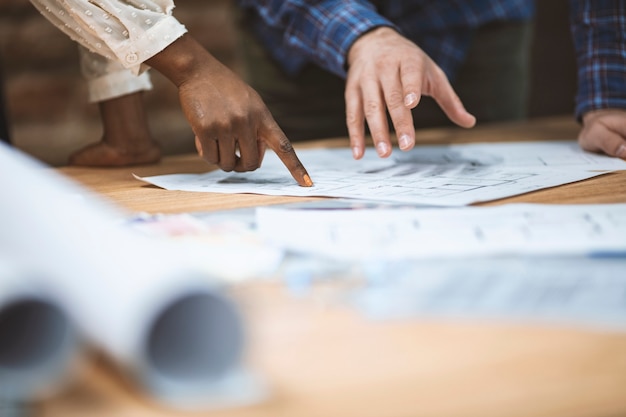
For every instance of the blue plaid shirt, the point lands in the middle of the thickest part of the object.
(299, 32)
(599, 31)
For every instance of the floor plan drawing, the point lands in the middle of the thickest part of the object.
(449, 175)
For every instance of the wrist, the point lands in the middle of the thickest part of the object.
(181, 59)
(592, 115)
(362, 42)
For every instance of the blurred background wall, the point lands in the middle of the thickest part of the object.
(46, 97)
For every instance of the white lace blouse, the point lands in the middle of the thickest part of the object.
(117, 37)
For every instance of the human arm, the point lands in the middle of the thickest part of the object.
(352, 40)
(108, 79)
(126, 137)
(126, 31)
(599, 31)
(231, 124)
(142, 33)
(295, 32)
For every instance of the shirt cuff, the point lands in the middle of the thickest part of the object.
(601, 83)
(134, 52)
(117, 84)
(600, 103)
(349, 23)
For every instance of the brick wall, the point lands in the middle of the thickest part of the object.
(47, 98)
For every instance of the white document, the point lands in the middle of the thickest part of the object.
(452, 175)
(557, 291)
(414, 233)
(223, 239)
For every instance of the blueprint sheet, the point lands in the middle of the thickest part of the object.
(445, 175)
(465, 232)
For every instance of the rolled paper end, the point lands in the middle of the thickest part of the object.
(197, 337)
(38, 344)
(193, 353)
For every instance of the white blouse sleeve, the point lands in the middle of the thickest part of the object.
(127, 31)
(107, 79)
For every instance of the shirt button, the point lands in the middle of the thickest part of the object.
(131, 58)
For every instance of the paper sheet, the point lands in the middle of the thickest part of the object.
(223, 239)
(577, 292)
(453, 175)
(355, 233)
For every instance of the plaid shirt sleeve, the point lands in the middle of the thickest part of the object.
(322, 31)
(599, 32)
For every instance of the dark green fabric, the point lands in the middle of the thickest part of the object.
(492, 83)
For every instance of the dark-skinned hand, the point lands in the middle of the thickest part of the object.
(232, 125)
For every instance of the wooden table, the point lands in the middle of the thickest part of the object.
(324, 360)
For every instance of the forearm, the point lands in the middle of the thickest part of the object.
(183, 60)
(320, 31)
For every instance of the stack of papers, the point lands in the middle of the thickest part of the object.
(544, 263)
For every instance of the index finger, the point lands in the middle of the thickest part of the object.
(271, 134)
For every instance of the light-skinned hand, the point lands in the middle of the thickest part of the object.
(604, 131)
(387, 72)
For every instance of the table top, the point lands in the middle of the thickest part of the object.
(319, 358)
(121, 187)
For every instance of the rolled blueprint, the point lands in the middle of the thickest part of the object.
(154, 307)
(37, 339)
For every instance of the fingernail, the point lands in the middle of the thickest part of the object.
(621, 152)
(198, 146)
(410, 99)
(404, 141)
(307, 181)
(356, 152)
(382, 148)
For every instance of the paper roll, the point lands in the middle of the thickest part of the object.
(37, 339)
(148, 304)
